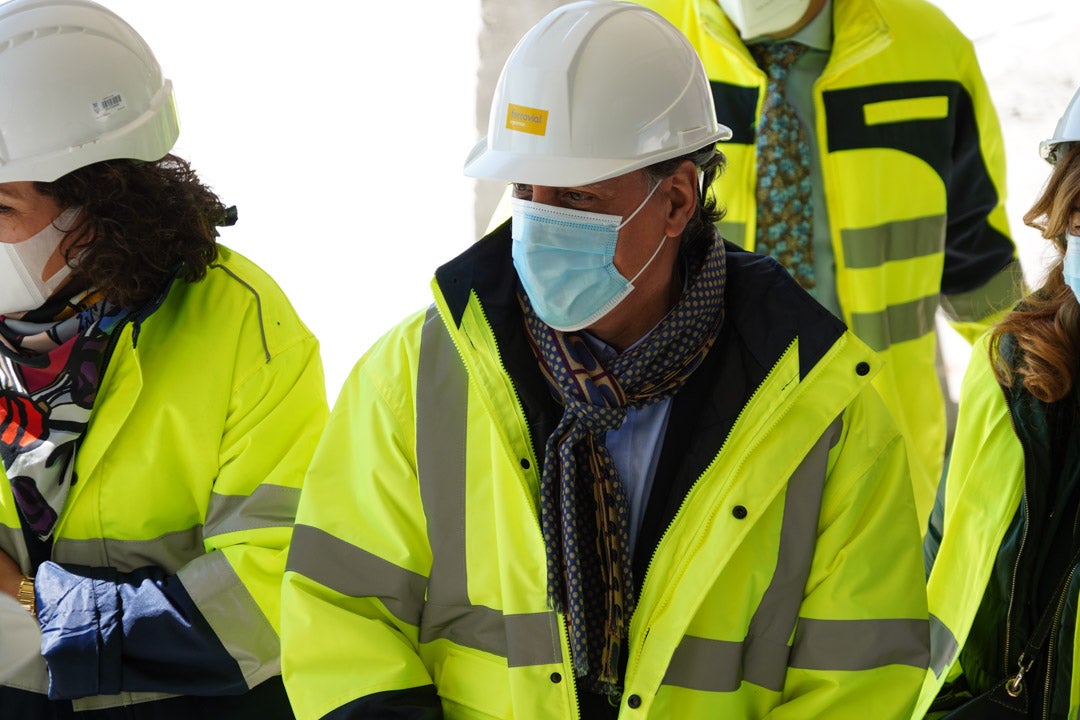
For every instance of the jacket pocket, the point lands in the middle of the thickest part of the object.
(473, 686)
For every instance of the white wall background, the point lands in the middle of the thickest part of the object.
(339, 130)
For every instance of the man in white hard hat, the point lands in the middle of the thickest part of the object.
(903, 202)
(618, 468)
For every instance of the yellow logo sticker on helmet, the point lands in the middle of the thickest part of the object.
(526, 119)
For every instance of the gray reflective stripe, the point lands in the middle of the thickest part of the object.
(234, 616)
(105, 702)
(441, 431)
(999, 293)
(824, 645)
(762, 658)
(708, 665)
(533, 639)
(14, 544)
(524, 639)
(775, 617)
(347, 569)
(943, 646)
(860, 644)
(268, 506)
(898, 240)
(442, 388)
(170, 551)
(896, 324)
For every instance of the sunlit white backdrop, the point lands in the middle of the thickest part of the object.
(338, 129)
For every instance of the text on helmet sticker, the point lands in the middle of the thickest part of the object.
(526, 119)
(106, 106)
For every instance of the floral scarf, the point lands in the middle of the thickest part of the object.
(51, 363)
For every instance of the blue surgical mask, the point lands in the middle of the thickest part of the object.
(1071, 266)
(565, 259)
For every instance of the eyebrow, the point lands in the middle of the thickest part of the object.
(11, 194)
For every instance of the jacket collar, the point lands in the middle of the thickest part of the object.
(859, 29)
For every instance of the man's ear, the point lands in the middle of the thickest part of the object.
(683, 196)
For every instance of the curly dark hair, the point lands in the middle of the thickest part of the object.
(710, 163)
(1046, 324)
(142, 223)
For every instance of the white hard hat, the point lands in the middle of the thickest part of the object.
(77, 86)
(595, 90)
(1066, 132)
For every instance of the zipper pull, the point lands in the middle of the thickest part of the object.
(1015, 686)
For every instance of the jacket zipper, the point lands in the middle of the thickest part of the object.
(572, 677)
(1023, 542)
(1012, 585)
(1050, 647)
(1053, 639)
(682, 505)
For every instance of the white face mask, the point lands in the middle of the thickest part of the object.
(756, 18)
(23, 263)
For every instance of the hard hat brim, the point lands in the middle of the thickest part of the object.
(552, 171)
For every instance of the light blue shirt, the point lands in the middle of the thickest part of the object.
(635, 446)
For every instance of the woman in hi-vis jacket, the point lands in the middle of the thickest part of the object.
(159, 397)
(1004, 582)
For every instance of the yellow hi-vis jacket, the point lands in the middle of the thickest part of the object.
(913, 168)
(788, 584)
(987, 525)
(206, 417)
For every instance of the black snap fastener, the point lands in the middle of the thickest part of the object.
(739, 512)
(556, 678)
(525, 463)
(862, 368)
(634, 702)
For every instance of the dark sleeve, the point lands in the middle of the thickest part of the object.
(975, 249)
(420, 703)
(104, 632)
(934, 528)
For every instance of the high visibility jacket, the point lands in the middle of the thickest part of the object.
(913, 169)
(788, 582)
(995, 544)
(165, 570)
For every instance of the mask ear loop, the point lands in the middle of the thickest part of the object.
(649, 261)
(624, 222)
(658, 247)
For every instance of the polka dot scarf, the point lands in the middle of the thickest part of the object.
(583, 506)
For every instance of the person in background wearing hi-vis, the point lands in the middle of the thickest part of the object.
(159, 398)
(619, 468)
(899, 171)
(1004, 583)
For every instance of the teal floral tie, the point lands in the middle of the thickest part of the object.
(785, 213)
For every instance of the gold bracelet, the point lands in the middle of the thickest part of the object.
(25, 595)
